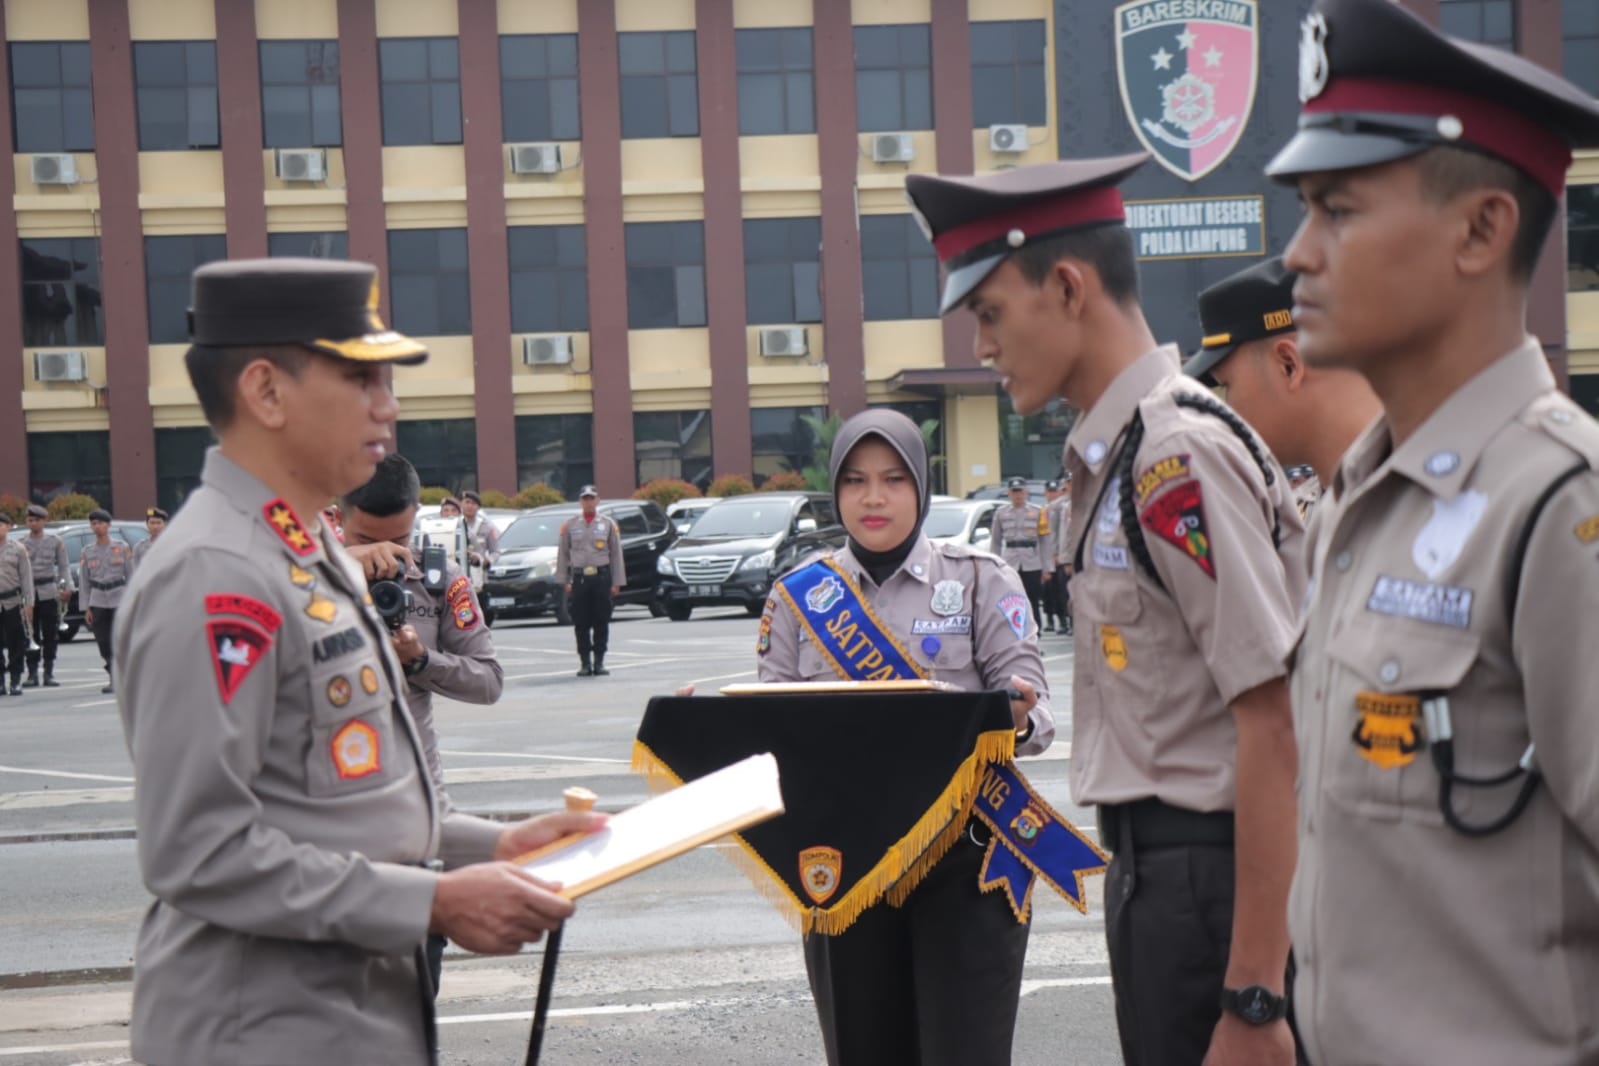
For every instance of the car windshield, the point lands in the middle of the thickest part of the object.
(533, 531)
(742, 519)
(945, 521)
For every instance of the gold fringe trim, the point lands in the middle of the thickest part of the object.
(902, 867)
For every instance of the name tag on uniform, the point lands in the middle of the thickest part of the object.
(1110, 556)
(959, 624)
(1445, 605)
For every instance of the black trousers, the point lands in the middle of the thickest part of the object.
(591, 612)
(104, 617)
(1063, 595)
(1055, 605)
(13, 642)
(46, 631)
(1033, 583)
(933, 983)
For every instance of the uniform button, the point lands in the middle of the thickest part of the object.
(1095, 452)
(1344, 560)
(1388, 672)
(1441, 464)
(1560, 418)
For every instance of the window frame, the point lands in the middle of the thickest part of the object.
(1026, 108)
(446, 314)
(151, 66)
(786, 72)
(90, 281)
(692, 466)
(1479, 9)
(637, 262)
(757, 264)
(167, 295)
(906, 72)
(390, 80)
(83, 95)
(917, 257)
(554, 129)
(1584, 73)
(639, 87)
(310, 87)
(562, 277)
(453, 465)
(1582, 234)
(574, 432)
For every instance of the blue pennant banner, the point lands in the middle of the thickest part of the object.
(1031, 840)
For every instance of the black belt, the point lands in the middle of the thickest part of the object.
(107, 586)
(1153, 824)
(6, 594)
(1021, 544)
(599, 572)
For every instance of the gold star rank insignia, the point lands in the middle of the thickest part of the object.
(286, 524)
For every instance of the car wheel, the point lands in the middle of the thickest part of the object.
(656, 610)
(67, 634)
(678, 613)
(754, 610)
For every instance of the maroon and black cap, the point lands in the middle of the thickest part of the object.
(975, 222)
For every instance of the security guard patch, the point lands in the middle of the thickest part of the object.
(820, 869)
(355, 750)
(460, 600)
(1163, 472)
(236, 648)
(369, 681)
(1113, 647)
(1016, 611)
(339, 691)
(763, 642)
(1387, 730)
(286, 524)
(1179, 516)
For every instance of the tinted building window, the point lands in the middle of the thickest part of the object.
(1008, 73)
(79, 461)
(61, 292)
(782, 438)
(428, 287)
(300, 94)
(1579, 39)
(330, 245)
(673, 444)
(660, 86)
(893, 78)
(176, 88)
(421, 79)
(168, 264)
(776, 81)
(782, 270)
(179, 457)
(51, 110)
(1489, 21)
(549, 279)
(443, 450)
(1030, 445)
(899, 268)
(1582, 238)
(538, 87)
(665, 274)
(557, 450)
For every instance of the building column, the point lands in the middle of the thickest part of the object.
(361, 115)
(972, 441)
(487, 249)
(1538, 38)
(952, 117)
(731, 445)
(239, 110)
(838, 145)
(600, 89)
(122, 280)
(14, 476)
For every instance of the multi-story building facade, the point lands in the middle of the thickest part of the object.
(641, 237)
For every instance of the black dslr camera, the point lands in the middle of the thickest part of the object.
(393, 601)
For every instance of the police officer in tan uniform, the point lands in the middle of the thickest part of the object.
(1307, 416)
(590, 558)
(16, 604)
(288, 826)
(103, 571)
(483, 540)
(155, 522)
(52, 589)
(1184, 537)
(880, 987)
(1021, 537)
(1447, 898)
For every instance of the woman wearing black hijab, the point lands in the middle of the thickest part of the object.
(936, 980)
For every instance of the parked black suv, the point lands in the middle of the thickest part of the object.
(75, 535)
(523, 583)
(730, 554)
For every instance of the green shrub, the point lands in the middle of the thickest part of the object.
(495, 498)
(731, 485)
(433, 494)
(666, 491)
(72, 505)
(785, 481)
(15, 506)
(537, 494)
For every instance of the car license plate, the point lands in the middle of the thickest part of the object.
(705, 591)
(501, 601)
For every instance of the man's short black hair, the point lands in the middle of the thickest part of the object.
(394, 488)
(1108, 249)
(1447, 172)
(214, 373)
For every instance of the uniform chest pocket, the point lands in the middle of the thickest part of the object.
(1107, 598)
(1375, 754)
(353, 741)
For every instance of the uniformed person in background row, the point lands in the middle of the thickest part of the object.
(443, 645)
(288, 825)
(450, 508)
(155, 522)
(1021, 535)
(1185, 538)
(52, 590)
(103, 571)
(938, 979)
(482, 539)
(1308, 416)
(1446, 906)
(1058, 511)
(590, 558)
(16, 605)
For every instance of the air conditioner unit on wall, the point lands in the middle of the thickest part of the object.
(301, 164)
(892, 148)
(1007, 138)
(785, 342)
(535, 158)
(53, 169)
(60, 366)
(547, 351)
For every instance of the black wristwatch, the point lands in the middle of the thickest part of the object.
(1255, 1004)
(415, 666)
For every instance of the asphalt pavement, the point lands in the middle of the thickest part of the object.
(683, 964)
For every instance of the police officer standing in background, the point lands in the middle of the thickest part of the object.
(590, 556)
(482, 539)
(288, 825)
(103, 570)
(155, 520)
(1021, 533)
(1058, 511)
(1447, 898)
(16, 604)
(52, 588)
(1185, 538)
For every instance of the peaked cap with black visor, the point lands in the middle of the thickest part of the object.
(1254, 303)
(975, 222)
(1378, 84)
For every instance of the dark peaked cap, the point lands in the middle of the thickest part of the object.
(330, 305)
(1248, 305)
(975, 222)
(1379, 84)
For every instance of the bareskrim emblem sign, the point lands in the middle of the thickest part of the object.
(1187, 73)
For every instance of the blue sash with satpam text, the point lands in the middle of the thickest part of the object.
(849, 636)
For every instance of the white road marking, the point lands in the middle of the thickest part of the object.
(62, 773)
(573, 673)
(519, 755)
(721, 677)
(52, 1049)
(94, 703)
(1042, 983)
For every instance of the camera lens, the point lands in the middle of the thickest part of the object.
(390, 600)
